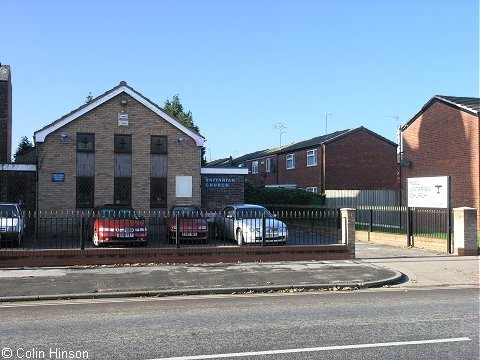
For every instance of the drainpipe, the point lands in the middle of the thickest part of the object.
(322, 171)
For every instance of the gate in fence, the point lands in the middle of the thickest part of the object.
(411, 222)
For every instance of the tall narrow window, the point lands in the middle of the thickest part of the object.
(255, 167)
(122, 186)
(158, 171)
(290, 159)
(85, 179)
(312, 157)
(268, 165)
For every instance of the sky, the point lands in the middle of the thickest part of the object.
(243, 67)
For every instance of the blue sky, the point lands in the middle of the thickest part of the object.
(243, 66)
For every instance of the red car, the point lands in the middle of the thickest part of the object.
(114, 224)
(192, 224)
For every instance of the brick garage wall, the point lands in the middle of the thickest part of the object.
(221, 190)
(444, 141)
(361, 161)
(18, 186)
(183, 157)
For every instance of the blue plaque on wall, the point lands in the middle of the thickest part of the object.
(58, 177)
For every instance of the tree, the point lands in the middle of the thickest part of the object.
(175, 108)
(24, 147)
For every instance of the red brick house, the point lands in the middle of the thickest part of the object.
(443, 139)
(356, 159)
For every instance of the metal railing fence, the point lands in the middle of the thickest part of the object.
(395, 219)
(84, 230)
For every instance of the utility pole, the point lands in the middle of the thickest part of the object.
(281, 129)
(397, 131)
(327, 114)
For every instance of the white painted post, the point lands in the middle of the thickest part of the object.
(465, 231)
(348, 229)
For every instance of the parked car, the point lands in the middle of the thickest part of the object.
(244, 224)
(12, 223)
(192, 224)
(114, 224)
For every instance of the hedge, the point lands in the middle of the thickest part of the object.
(255, 194)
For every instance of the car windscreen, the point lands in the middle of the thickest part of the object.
(252, 213)
(8, 210)
(118, 214)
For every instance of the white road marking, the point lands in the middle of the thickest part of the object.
(317, 349)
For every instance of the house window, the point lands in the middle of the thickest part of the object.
(123, 144)
(268, 165)
(85, 192)
(85, 142)
(158, 171)
(290, 161)
(312, 157)
(158, 144)
(122, 190)
(85, 174)
(255, 167)
(122, 183)
(312, 189)
(158, 192)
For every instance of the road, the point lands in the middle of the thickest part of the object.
(428, 323)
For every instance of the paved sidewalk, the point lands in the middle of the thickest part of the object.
(422, 267)
(375, 266)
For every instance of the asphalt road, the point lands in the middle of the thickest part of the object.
(371, 324)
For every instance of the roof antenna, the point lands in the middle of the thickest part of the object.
(281, 129)
(327, 114)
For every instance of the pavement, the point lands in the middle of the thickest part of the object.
(375, 266)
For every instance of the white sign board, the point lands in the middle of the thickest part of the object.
(184, 186)
(428, 192)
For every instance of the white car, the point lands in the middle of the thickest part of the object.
(245, 224)
(12, 223)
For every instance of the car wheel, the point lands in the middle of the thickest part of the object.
(240, 239)
(216, 232)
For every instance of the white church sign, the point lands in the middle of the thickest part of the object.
(428, 192)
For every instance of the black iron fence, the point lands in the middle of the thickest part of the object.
(411, 222)
(83, 230)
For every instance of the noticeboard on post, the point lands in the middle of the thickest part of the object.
(428, 192)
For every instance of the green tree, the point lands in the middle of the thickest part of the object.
(24, 147)
(175, 108)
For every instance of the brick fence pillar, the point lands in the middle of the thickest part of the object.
(465, 231)
(348, 229)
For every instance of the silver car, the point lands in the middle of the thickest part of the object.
(244, 224)
(12, 223)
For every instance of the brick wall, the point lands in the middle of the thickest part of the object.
(221, 190)
(361, 161)
(444, 141)
(183, 157)
(302, 175)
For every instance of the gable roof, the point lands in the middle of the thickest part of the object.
(306, 144)
(41, 134)
(468, 104)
